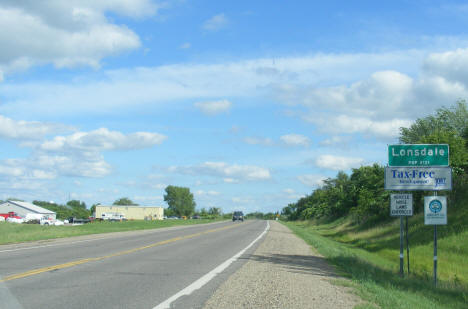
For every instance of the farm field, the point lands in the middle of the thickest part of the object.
(16, 233)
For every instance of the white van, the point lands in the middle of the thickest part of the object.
(113, 216)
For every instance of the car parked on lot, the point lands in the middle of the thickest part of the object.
(237, 216)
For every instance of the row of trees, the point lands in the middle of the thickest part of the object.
(180, 200)
(362, 193)
(73, 208)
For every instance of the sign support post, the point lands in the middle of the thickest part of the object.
(401, 247)
(407, 246)
(435, 213)
(435, 250)
(435, 255)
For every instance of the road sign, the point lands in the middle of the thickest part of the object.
(435, 210)
(401, 204)
(418, 155)
(418, 178)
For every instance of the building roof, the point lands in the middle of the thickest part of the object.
(32, 207)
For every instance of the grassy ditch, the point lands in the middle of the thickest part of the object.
(15, 233)
(370, 258)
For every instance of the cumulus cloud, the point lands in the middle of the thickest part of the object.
(215, 23)
(385, 129)
(28, 130)
(214, 107)
(295, 140)
(337, 163)
(451, 65)
(65, 33)
(78, 154)
(230, 173)
(103, 139)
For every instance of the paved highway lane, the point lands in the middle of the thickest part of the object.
(125, 270)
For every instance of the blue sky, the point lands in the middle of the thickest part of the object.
(250, 104)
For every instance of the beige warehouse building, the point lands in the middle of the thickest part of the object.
(133, 212)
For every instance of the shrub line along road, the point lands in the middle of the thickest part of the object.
(124, 270)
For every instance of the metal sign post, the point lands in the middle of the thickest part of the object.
(407, 246)
(401, 205)
(435, 213)
(401, 247)
(435, 255)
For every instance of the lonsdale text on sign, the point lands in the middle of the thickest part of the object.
(418, 155)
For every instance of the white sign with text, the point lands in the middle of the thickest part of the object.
(401, 204)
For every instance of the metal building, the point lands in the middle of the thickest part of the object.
(132, 212)
(24, 208)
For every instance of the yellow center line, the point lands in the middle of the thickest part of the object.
(83, 261)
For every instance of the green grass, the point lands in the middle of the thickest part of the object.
(370, 258)
(15, 233)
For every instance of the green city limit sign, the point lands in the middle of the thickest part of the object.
(418, 155)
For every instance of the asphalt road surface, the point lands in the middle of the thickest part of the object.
(180, 267)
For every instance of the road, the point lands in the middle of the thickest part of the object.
(145, 269)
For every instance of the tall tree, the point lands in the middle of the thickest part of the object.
(447, 126)
(76, 204)
(180, 200)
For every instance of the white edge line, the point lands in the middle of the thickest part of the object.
(207, 278)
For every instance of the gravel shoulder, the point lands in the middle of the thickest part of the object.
(283, 272)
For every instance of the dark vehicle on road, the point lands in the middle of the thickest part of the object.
(238, 215)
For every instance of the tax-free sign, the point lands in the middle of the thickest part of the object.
(418, 155)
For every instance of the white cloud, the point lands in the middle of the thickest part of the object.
(313, 181)
(65, 33)
(154, 87)
(347, 124)
(11, 170)
(103, 139)
(337, 163)
(214, 107)
(295, 140)
(28, 130)
(215, 23)
(451, 65)
(78, 154)
(229, 173)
